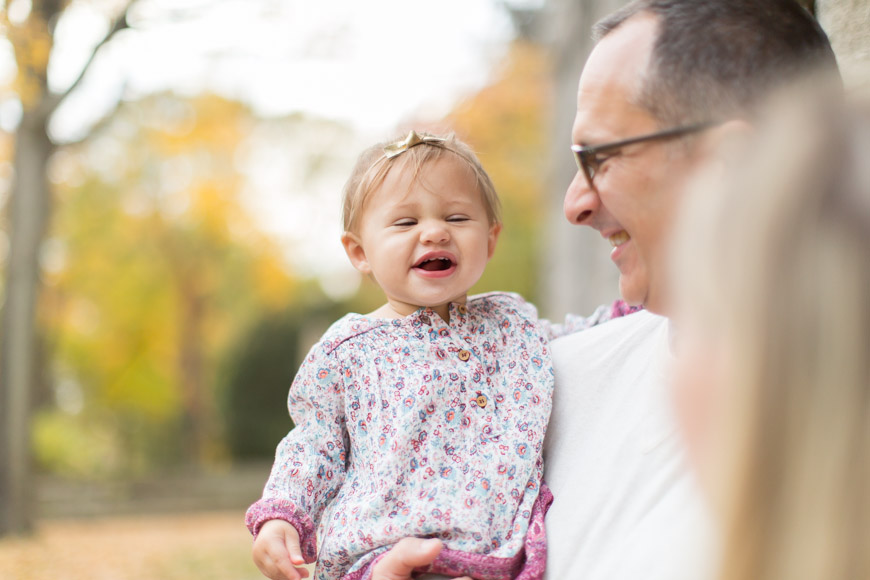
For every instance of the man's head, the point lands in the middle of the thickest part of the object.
(664, 64)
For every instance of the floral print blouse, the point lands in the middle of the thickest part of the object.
(419, 427)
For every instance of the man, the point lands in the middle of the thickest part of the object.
(677, 78)
(667, 83)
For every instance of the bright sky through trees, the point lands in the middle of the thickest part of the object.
(370, 63)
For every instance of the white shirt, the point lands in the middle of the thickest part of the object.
(625, 504)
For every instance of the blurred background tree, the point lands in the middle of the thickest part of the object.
(152, 266)
(30, 27)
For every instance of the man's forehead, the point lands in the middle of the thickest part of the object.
(612, 79)
(627, 48)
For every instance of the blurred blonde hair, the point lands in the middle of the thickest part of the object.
(372, 168)
(777, 264)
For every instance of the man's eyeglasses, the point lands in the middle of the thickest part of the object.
(589, 158)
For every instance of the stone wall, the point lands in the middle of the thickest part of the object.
(847, 23)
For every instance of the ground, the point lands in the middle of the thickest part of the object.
(213, 546)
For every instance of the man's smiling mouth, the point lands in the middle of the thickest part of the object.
(618, 238)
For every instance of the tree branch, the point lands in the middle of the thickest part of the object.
(120, 23)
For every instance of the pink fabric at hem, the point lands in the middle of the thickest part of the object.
(529, 564)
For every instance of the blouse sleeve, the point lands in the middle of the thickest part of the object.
(575, 323)
(311, 461)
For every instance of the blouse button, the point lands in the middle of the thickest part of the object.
(462, 309)
(464, 355)
(481, 401)
(425, 319)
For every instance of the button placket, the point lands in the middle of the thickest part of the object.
(481, 408)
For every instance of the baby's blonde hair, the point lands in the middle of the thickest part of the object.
(373, 165)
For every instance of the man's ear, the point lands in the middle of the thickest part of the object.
(722, 144)
(355, 252)
(724, 139)
(494, 231)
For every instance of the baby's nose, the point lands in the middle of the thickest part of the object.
(434, 232)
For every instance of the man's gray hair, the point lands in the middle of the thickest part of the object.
(717, 59)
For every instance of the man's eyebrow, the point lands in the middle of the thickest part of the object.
(600, 138)
(586, 141)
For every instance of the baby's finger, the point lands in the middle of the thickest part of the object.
(291, 541)
(285, 570)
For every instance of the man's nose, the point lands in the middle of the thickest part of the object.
(581, 201)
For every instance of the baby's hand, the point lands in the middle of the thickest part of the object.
(276, 551)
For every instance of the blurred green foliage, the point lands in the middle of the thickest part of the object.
(151, 269)
(259, 369)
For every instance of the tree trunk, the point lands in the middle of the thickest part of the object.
(195, 422)
(29, 205)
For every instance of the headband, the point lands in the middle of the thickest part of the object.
(412, 140)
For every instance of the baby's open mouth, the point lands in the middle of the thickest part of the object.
(435, 264)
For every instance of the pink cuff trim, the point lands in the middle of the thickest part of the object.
(279, 509)
(529, 564)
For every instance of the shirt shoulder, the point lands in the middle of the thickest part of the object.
(630, 333)
(347, 328)
(509, 303)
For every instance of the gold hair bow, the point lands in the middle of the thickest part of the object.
(412, 140)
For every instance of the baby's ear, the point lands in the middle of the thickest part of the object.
(494, 231)
(355, 252)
